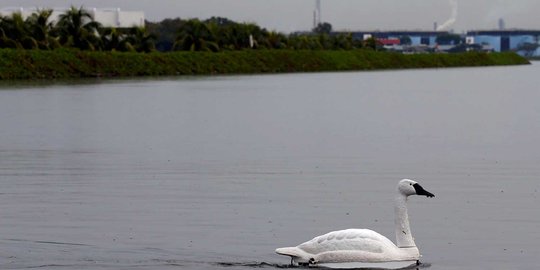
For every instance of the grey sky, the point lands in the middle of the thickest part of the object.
(292, 15)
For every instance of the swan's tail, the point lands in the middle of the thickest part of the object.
(297, 255)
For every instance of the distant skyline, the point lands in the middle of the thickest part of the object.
(297, 15)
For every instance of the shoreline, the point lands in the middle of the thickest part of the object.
(70, 64)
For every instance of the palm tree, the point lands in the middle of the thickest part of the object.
(304, 42)
(77, 28)
(324, 40)
(343, 41)
(142, 40)
(274, 40)
(245, 31)
(41, 29)
(196, 36)
(14, 33)
(5, 39)
(112, 39)
(238, 35)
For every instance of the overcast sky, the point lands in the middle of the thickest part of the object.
(293, 15)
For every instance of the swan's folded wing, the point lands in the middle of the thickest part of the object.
(351, 239)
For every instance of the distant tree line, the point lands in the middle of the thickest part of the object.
(221, 34)
(77, 29)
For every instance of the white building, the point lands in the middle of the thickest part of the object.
(108, 17)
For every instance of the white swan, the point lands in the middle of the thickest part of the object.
(359, 248)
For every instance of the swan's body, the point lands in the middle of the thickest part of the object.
(352, 245)
(355, 248)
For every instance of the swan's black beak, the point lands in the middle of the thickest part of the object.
(421, 191)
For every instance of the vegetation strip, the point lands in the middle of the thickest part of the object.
(72, 63)
(76, 46)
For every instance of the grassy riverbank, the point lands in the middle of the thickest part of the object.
(39, 64)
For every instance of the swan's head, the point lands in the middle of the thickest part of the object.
(409, 187)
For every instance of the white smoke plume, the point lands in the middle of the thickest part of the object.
(453, 17)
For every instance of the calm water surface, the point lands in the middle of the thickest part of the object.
(217, 172)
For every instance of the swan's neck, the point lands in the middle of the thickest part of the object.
(403, 230)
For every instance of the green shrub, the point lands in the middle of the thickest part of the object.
(72, 63)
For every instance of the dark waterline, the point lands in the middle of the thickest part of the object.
(217, 172)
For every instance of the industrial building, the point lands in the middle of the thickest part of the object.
(524, 42)
(108, 17)
(508, 40)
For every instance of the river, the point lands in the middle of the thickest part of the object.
(216, 172)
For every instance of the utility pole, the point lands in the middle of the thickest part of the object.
(317, 14)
